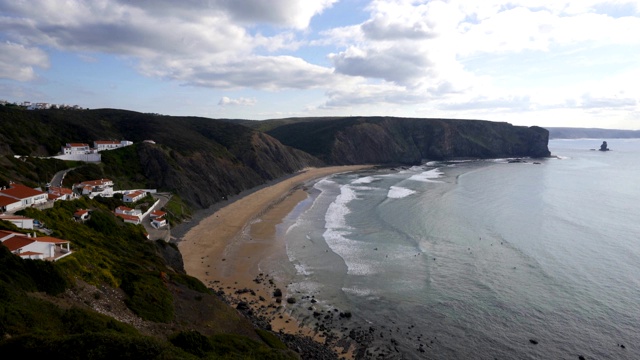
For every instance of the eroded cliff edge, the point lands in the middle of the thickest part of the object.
(385, 140)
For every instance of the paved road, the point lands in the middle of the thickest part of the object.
(58, 177)
(164, 232)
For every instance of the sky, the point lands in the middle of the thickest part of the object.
(526, 62)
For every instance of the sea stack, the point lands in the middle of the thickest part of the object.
(604, 147)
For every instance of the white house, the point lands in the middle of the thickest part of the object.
(19, 197)
(76, 148)
(101, 145)
(81, 214)
(134, 196)
(128, 211)
(158, 222)
(22, 222)
(9, 204)
(40, 248)
(131, 219)
(61, 193)
(102, 187)
(157, 213)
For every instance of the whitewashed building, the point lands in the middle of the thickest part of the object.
(22, 222)
(18, 197)
(101, 145)
(32, 247)
(102, 187)
(134, 196)
(76, 148)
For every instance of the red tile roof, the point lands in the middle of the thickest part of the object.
(28, 253)
(158, 213)
(60, 191)
(124, 208)
(17, 242)
(135, 193)
(77, 144)
(19, 191)
(5, 233)
(49, 239)
(13, 217)
(5, 200)
(79, 213)
(129, 217)
(95, 182)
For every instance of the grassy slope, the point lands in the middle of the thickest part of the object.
(108, 252)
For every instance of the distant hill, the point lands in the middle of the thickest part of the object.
(203, 160)
(387, 140)
(591, 133)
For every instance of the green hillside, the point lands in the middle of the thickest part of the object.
(43, 310)
(202, 160)
(387, 140)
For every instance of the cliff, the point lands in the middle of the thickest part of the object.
(383, 140)
(202, 160)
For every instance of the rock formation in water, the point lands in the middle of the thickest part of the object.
(604, 147)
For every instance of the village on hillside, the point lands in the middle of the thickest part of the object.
(16, 197)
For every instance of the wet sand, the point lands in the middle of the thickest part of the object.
(226, 249)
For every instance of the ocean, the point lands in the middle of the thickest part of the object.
(490, 259)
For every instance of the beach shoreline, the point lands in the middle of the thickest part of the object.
(226, 246)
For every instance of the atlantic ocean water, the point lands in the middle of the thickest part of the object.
(489, 259)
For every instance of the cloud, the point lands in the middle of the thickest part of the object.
(259, 72)
(587, 101)
(239, 101)
(382, 28)
(519, 103)
(395, 63)
(195, 42)
(292, 13)
(17, 62)
(442, 54)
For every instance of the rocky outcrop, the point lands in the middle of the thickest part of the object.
(604, 146)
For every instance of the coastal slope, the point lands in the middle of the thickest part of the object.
(202, 160)
(387, 140)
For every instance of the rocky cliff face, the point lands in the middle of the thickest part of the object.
(383, 140)
(202, 179)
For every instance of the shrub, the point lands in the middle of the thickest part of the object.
(192, 342)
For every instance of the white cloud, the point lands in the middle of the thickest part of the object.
(17, 62)
(293, 13)
(239, 101)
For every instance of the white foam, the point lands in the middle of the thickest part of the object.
(428, 176)
(364, 180)
(302, 270)
(338, 210)
(396, 192)
(367, 188)
(358, 291)
(352, 252)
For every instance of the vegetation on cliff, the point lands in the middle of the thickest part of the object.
(41, 312)
(202, 160)
(383, 140)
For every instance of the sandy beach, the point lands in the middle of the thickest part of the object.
(225, 249)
